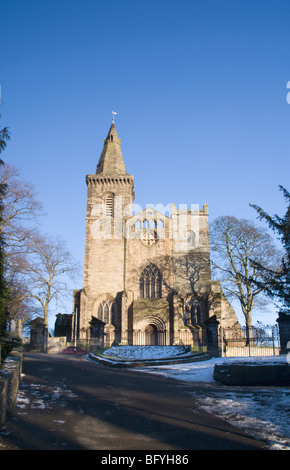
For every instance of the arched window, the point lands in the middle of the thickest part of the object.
(106, 311)
(150, 283)
(142, 287)
(191, 239)
(152, 286)
(192, 313)
(147, 287)
(112, 314)
(160, 223)
(100, 312)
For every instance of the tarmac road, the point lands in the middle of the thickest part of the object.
(68, 402)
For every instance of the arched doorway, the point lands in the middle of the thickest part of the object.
(150, 331)
(151, 335)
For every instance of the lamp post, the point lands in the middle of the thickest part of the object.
(75, 327)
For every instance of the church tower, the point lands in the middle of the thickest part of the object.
(110, 194)
(146, 278)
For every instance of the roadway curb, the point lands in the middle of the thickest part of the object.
(117, 362)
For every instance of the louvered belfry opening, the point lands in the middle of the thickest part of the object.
(109, 203)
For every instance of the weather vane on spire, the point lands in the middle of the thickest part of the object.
(114, 113)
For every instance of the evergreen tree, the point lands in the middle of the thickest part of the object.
(4, 137)
(278, 282)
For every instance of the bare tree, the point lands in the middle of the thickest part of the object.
(37, 268)
(236, 245)
(20, 307)
(20, 209)
(48, 266)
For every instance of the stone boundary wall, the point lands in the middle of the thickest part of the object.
(252, 375)
(10, 373)
(56, 344)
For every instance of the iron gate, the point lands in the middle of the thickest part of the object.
(258, 340)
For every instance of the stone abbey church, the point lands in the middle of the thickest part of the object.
(147, 277)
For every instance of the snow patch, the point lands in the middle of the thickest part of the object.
(262, 412)
(41, 397)
(145, 352)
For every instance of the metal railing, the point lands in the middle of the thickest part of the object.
(258, 340)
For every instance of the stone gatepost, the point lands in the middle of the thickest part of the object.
(212, 334)
(38, 335)
(284, 332)
(97, 332)
(124, 303)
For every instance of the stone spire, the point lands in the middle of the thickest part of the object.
(111, 160)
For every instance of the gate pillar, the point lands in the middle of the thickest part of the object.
(38, 335)
(212, 325)
(284, 332)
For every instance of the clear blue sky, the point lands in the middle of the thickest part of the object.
(199, 87)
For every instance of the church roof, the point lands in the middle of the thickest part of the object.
(111, 161)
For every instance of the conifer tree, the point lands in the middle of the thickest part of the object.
(4, 137)
(278, 282)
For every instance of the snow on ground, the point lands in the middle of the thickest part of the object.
(145, 352)
(262, 412)
(41, 397)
